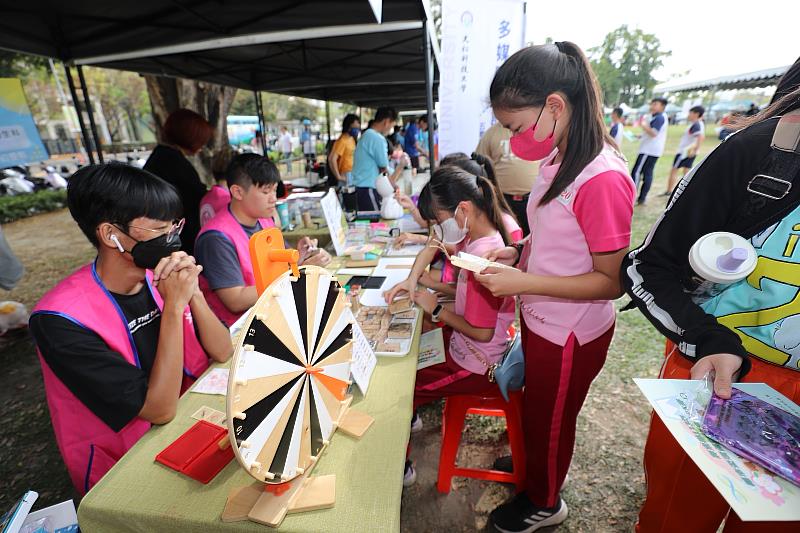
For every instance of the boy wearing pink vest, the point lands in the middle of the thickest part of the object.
(223, 245)
(121, 338)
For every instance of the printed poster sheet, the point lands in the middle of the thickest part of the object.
(334, 218)
(754, 493)
(431, 349)
(364, 360)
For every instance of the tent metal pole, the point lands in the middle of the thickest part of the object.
(86, 143)
(262, 125)
(87, 101)
(429, 93)
(328, 118)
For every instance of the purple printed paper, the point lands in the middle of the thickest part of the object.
(756, 430)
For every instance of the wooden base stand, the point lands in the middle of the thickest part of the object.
(269, 504)
(257, 505)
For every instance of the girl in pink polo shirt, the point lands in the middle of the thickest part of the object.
(579, 212)
(465, 215)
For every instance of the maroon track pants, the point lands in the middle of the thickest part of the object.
(557, 379)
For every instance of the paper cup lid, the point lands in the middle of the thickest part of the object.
(723, 257)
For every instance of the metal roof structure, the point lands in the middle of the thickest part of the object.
(364, 52)
(747, 80)
(343, 51)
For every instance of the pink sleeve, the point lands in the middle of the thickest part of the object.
(481, 307)
(512, 228)
(604, 208)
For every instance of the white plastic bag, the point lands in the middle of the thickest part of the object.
(13, 315)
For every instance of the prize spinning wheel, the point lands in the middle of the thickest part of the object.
(289, 375)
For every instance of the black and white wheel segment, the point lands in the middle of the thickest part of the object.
(289, 376)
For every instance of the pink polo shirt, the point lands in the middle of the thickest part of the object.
(592, 215)
(482, 310)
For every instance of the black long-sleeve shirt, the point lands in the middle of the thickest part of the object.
(657, 274)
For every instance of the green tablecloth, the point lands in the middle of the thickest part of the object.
(139, 494)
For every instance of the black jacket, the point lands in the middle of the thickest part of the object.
(170, 165)
(712, 197)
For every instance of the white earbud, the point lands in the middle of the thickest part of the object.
(116, 241)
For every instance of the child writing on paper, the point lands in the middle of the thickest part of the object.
(464, 213)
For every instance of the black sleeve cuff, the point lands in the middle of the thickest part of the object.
(723, 341)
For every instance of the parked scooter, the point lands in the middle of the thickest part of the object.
(54, 178)
(14, 182)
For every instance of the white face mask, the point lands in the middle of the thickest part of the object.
(450, 232)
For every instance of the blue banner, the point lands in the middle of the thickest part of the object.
(20, 143)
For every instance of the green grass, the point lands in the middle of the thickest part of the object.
(16, 207)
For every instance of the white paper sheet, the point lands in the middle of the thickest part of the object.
(215, 382)
(409, 225)
(753, 492)
(409, 250)
(366, 271)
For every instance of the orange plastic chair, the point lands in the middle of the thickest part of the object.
(456, 409)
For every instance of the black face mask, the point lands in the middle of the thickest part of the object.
(147, 254)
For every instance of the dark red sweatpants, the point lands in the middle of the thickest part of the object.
(557, 379)
(448, 379)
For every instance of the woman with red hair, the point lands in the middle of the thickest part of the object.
(185, 133)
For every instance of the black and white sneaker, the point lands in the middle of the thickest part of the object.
(416, 423)
(505, 464)
(409, 474)
(519, 515)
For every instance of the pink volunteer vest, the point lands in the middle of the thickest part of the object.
(225, 223)
(89, 447)
(214, 201)
(559, 248)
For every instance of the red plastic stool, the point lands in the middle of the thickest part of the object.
(456, 409)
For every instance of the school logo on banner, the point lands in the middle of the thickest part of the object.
(477, 37)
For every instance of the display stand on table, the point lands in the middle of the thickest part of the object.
(287, 388)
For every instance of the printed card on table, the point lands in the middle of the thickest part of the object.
(754, 493)
(215, 382)
(364, 360)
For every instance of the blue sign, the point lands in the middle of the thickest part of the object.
(20, 143)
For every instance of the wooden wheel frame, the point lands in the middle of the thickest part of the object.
(289, 375)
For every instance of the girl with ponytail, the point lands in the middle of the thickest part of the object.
(464, 214)
(579, 211)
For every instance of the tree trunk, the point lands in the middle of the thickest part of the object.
(209, 100)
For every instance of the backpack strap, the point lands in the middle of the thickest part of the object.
(777, 184)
